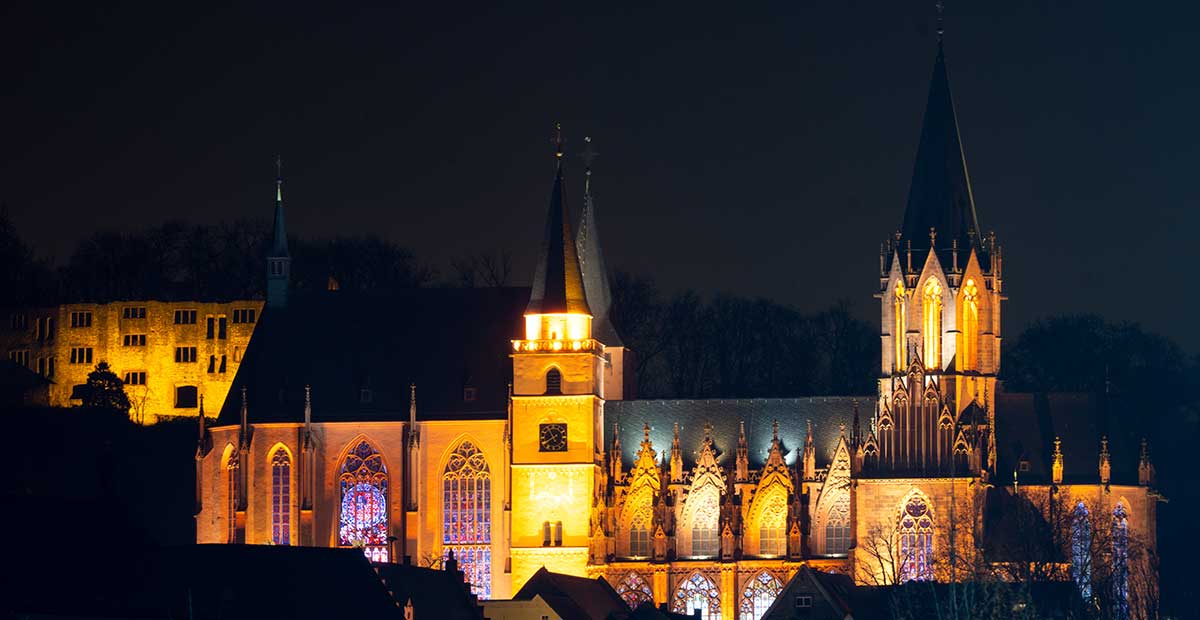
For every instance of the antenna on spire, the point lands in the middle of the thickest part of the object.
(278, 178)
(941, 27)
(558, 142)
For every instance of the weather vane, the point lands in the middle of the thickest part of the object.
(278, 167)
(589, 154)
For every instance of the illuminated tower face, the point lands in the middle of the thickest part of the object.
(940, 293)
(557, 411)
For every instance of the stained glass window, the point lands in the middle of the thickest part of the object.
(698, 593)
(1081, 550)
(900, 329)
(706, 507)
(635, 590)
(837, 533)
(758, 596)
(916, 542)
(231, 489)
(467, 516)
(967, 357)
(364, 518)
(1120, 562)
(281, 497)
(931, 308)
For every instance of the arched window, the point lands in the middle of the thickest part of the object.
(931, 314)
(231, 488)
(900, 328)
(553, 381)
(705, 511)
(758, 596)
(364, 486)
(698, 593)
(467, 516)
(640, 538)
(1081, 550)
(281, 497)
(772, 522)
(1120, 562)
(916, 542)
(837, 533)
(772, 539)
(968, 352)
(634, 589)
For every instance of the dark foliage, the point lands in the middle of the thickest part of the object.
(105, 391)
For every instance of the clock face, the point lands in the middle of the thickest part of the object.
(552, 437)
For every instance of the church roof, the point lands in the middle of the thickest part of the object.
(1026, 425)
(433, 592)
(573, 598)
(940, 194)
(341, 343)
(595, 270)
(827, 413)
(557, 280)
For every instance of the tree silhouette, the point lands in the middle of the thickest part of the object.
(105, 391)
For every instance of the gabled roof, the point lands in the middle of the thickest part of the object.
(595, 270)
(940, 194)
(573, 598)
(434, 593)
(557, 281)
(830, 595)
(343, 342)
(826, 412)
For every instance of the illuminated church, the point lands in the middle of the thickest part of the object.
(499, 424)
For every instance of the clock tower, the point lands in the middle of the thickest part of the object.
(557, 409)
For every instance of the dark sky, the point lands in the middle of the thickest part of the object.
(762, 150)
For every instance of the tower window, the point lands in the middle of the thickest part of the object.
(222, 328)
(243, 315)
(211, 325)
(20, 358)
(20, 321)
(553, 381)
(900, 328)
(931, 309)
(968, 353)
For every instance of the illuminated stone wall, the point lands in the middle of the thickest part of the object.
(106, 337)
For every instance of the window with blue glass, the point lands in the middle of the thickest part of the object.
(364, 506)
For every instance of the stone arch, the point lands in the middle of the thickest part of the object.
(758, 594)
(768, 514)
(697, 592)
(636, 531)
(699, 522)
(283, 484)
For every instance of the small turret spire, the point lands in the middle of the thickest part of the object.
(279, 261)
(1056, 466)
(557, 280)
(1105, 461)
(941, 26)
(1145, 467)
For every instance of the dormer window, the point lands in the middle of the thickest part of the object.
(553, 381)
(470, 394)
(1023, 466)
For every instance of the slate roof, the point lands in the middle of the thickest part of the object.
(573, 598)
(940, 194)
(342, 342)
(1026, 425)
(557, 281)
(433, 592)
(826, 413)
(595, 270)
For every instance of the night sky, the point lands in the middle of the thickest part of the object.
(757, 150)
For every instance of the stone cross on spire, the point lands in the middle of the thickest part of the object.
(588, 155)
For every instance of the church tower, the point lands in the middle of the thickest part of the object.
(940, 293)
(557, 409)
(279, 261)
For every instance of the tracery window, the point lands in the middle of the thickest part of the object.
(698, 593)
(364, 507)
(1120, 562)
(916, 542)
(772, 539)
(758, 596)
(281, 497)
(900, 329)
(772, 522)
(231, 489)
(640, 544)
(931, 310)
(837, 533)
(706, 540)
(635, 590)
(467, 516)
(968, 354)
(1081, 550)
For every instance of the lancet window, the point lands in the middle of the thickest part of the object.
(706, 540)
(1120, 562)
(931, 312)
(1081, 550)
(467, 515)
(635, 590)
(837, 533)
(281, 497)
(968, 353)
(698, 593)
(772, 525)
(916, 541)
(758, 596)
(363, 481)
(231, 488)
(900, 327)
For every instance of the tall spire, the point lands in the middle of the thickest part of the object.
(279, 245)
(591, 258)
(279, 261)
(558, 282)
(940, 195)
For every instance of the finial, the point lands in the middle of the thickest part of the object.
(708, 430)
(775, 430)
(932, 236)
(645, 431)
(589, 154)
(558, 142)
(941, 28)
(202, 416)
(842, 429)
(307, 395)
(1057, 445)
(278, 179)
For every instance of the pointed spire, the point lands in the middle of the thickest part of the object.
(615, 454)
(279, 244)
(676, 458)
(279, 262)
(855, 427)
(307, 417)
(940, 194)
(557, 281)
(591, 259)
(1056, 466)
(742, 466)
(1105, 461)
(201, 417)
(1145, 467)
(244, 431)
(201, 442)
(810, 455)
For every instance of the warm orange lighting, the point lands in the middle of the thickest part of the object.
(968, 352)
(900, 329)
(931, 309)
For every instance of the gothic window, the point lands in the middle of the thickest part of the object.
(1081, 550)
(553, 381)
(837, 533)
(634, 589)
(364, 507)
(772, 539)
(916, 542)
(758, 596)
(467, 516)
(968, 353)
(639, 504)
(705, 542)
(900, 328)
(698, 593)
(640, 541)
(231, 493)
(281, 497)
(705, 517)
(1120, 562)
(772, 522)
(931, 314)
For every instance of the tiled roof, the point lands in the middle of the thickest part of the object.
(574, 598)
(557, 281)
(434, 593)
